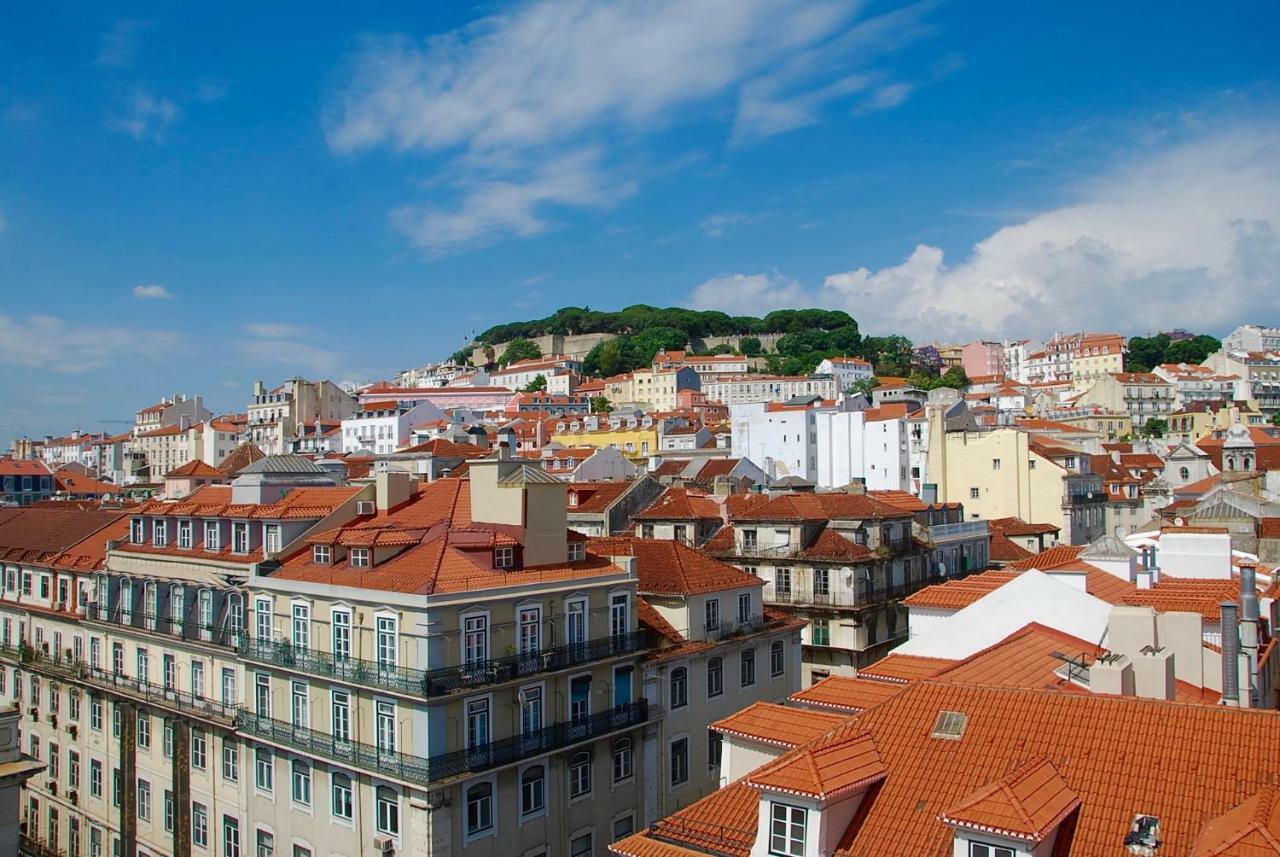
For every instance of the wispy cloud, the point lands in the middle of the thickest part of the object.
(749, 294)
(716, 225)
(534, 280)
(54, 344)
(145, 117)
(290, 347)
(120, 44)
(151, 291)
(888, 96)
(523, 93)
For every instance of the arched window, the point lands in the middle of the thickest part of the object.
(622, 760)
(579, 774)
(1184, 473)
(715, 677)
(1248, 462)
(479, 808)
(679, 687)
(533, 790)
(388, 811)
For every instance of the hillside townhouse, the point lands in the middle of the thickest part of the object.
(847, 371)
(1193, 384)
(1012, 472)
(652, 389)
(829, 444)
(276, 417)
(841, 562)
(741, 389)
(681, 515)
(1015, 358)
(1252, 337)
(110, 457)
(1097, 354)
(560, 371)
(24, 481)
(737, 474)
(383, 427)
(169, 412)
(1106, 424)
(676, 436)
(431, 375)
(1142, 395)
(635, 434)
(606, 508)
(706, 365)
(75, 448)
(1260, 371)
(475, 399)
(983, 358)
(172, 446)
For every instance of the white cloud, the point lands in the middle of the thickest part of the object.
(509, 95)
(269, 330)
(146, 117)
(888, 96)
(120, 44)
(1188, 236)
(491, 209)
(288, 346)
(51, 343)
(754, 294)
(151, 292)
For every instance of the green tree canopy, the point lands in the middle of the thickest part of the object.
(520, 349)
(537, 385)
(751, 346)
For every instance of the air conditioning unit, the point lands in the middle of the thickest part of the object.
(383, 844)
(74, 797)
(365, 507)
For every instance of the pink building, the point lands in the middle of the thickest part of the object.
(982, 359)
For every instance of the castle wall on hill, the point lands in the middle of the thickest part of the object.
(580, 345)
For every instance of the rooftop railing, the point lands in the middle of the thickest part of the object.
(429, 771)
(442, 680)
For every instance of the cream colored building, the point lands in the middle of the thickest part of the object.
(1096, 355)
(1142, 395)
(276, 416)
(650, 388)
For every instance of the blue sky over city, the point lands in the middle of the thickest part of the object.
(191, 199)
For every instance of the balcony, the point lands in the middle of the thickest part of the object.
(161, 697)
(958, 530)
(862, 597)
(179, 629)
(727, 628)
(29, 846)
(444, 680)
(430, 771)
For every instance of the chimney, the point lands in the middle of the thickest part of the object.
(1230, 613)
(258, 388)
(392, 489)
(184, 422)
(1112, 674)
(1153, 676)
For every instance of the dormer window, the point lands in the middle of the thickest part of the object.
(160, 533)
(577, 551)
(787, 829)
(320, 554)
(981, 849)
(359, 557)
(212, 536)
(270, 538)
(184, 534)
(240, 538)
(573, 498)
(504, 557)
(136, 532)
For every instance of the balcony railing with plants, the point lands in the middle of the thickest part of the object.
(442, 680)
(182, 629)
(429, 771)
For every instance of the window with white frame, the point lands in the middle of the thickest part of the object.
(240, 537)
(341, 625)
(359, 557)
(744, 608)
(184, 534)
(270, 538)
(533, 790)
(787, 829)
(623, 760)
(577, 551)
(387, 811)
(679, 695)
(212, 536)
(982, 849)
(579, 774)
(301, 792)
(385, 726)
(137, 531)
(263, 769)
(320, 554)
(301, 626)
(475, 639)
(530, 630)
(341, 798)
(504, 557)
(479, 809)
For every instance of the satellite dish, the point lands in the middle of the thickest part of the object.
(1178, 522)
(1121, 532)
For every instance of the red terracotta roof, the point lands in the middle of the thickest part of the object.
(680, 504)
(771, 723)
(595, 497)
(1004, 549)
(850, 694)
(673, 568)
(1027, 804)
(840, 762)
(820, 507)
(905, 669)
(195, 468)
(1251, 829)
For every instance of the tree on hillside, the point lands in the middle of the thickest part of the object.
(537, 385)
(1155, 427)
(864, 386)
(611, 357)
(601, 405)
(750, 346)
(520, 349)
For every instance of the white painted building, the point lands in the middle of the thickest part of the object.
(742, 389)
(384, 427)
(846, 370)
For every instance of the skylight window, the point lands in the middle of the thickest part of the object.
(950, 725)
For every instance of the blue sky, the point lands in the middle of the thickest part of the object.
(193, 199)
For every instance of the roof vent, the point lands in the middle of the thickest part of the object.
(1143, 838)
(950, 725)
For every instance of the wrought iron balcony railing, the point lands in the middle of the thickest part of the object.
(442, 680)
(429, 771)
(182, 629)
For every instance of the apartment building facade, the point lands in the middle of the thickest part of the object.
(276, 416)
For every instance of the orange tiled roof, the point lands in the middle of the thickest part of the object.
(1004, 549)
(1027, 804)
(1184, 764)
(771, 723)
(681, 504)
(831, 545)
(1051, 558)
(838, 763)
(596, 496)
(820, 507)
(672, 568)
(905, 668)
(40, 535)
(195, 468)
(850, 694)
(1251, 829)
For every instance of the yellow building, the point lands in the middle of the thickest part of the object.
(1200, 419)
(638, 439)
(655, 389)
(1099, 354)
(1011, 473)
(1108, 425)
(1143, 395)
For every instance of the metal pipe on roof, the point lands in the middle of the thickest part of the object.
(1230, 613)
